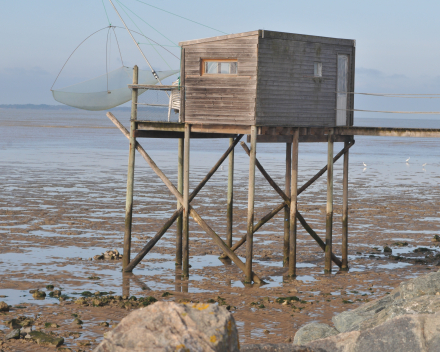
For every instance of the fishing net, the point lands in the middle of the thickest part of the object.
(106, 91)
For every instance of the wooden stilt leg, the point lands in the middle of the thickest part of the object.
(345, 213)
(250, 218)
(130, 174)
(230, 205)
(185, 247)
(286, 247)
(329, 217)
(180, 189)
(293, 205)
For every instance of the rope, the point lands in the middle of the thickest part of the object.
(146, 23)
(117, 43)
(398, 95)
(397, 112)
(106, 14)
(201, 24)
(73, 53)
(106, 56)
(162, 46)
(141, 30)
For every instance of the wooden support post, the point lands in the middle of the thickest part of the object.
(130, 173)
(185, 247)
(345, 213)
(230, 200)
(329, 216)
(293, 205)
(286, 247)
(250, 216)
(180, 189)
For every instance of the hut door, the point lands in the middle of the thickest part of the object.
(341, 95)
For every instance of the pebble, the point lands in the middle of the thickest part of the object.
(14, 334)
(4, 307)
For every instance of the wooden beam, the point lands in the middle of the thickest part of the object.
(388, 131)
(250, 215)
(293, 205)
(217, 128)
(153, 86)
(179, 197)
(178, 213)
(160, 126)
(302, 138)
(130, 174)
(185, 203)
(345, 213)
(179, 230)
(288, 180)
(230, 196)
(329, 216)
(173, 134)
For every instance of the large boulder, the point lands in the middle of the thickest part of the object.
(313, 331)
(407, 333)
(278, 347)
(168, 326)
(419, 295)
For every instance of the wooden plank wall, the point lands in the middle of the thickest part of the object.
(288, 94)
(221, 99)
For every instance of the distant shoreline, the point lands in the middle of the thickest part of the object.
(65, 107)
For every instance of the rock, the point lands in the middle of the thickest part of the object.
(14, 334)
(78, 321)
(436, 238)
(104, 323)
(4, 307)
(423, 285)
(50, 287)
(387, 249)
(27, 329)
(98, 257)
(39, 294)
(168, 326)
(407, 333)
(313, 331)
(46, 340)
(278, 347)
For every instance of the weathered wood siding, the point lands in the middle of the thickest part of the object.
(221, 99)
(288, 94)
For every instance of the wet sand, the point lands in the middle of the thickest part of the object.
(62, 202)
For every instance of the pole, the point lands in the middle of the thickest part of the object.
(185, 240)
(329, 217)
(286, 248)
(293, 205)
(230, 200)
(345, 213)
(180, 189)
(250, 217)
(130, 173)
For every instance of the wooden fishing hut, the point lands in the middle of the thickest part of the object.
(273, 87)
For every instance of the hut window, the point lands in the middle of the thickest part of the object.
(219, 67)
(318, 69)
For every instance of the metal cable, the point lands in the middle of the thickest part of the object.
(106, 56)
(74, 52)
(117, 43)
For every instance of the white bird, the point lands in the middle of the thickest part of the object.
(364, 164)
(407, 160)
(424, 164)
(221, 168)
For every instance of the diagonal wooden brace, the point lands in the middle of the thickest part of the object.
(179, 197)
(176, 214)
(314, 235)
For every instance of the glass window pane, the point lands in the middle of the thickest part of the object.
(220, 67)
(318, 69)
(212, 67)
(225, 67)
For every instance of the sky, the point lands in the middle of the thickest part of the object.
(397, 46)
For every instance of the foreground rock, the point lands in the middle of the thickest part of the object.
(408, 319)
(313, 331)
(416, 296)
(168, 326)
(278, 347)
(407, 333)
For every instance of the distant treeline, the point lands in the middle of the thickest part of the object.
(65, 107)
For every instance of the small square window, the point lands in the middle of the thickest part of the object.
(219, 67)
(318, 69)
